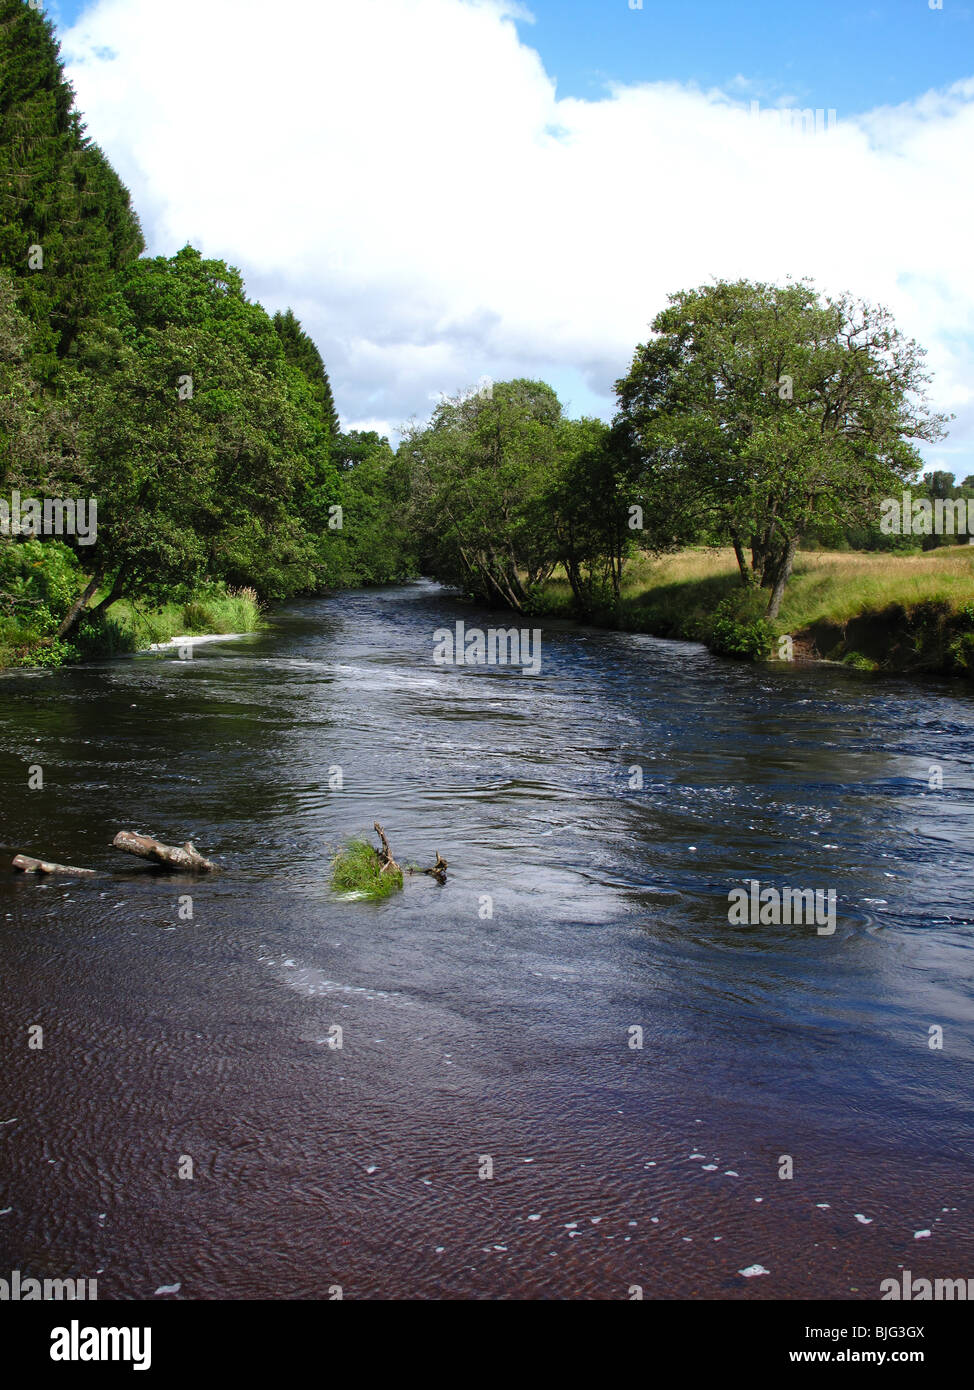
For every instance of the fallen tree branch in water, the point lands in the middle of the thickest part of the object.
(169, 856)
(438, 870)
(26, 865)
(389, 865)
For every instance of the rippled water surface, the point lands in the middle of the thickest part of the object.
(472, 1040)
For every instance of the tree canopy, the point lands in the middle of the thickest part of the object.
(205, 429)
(767, 410)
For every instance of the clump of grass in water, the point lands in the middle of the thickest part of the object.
(357, 870)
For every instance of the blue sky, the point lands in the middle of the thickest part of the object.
(828, 53)
(467, 224)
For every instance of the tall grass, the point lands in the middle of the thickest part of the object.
(923, 604)
(128, 627)
(234, 610)
(826, 586)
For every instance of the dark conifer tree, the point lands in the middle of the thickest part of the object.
(300, 351)
(66, 221)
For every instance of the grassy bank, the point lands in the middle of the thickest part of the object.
(874, 611)
(29, 625)
(217, 612)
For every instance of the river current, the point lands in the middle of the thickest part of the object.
(565, 1072)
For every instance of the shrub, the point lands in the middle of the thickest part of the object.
(746, 638)
(961, 653)
(100, 637)
(858, 662)
(52, 655)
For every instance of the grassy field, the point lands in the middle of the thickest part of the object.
(871, 610)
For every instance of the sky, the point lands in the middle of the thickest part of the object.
(453, 190)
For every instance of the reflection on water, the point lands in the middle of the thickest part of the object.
(491, 1016)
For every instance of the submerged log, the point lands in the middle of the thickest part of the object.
(438, 870)
(384, 856)
(169, 856)
(26, 865)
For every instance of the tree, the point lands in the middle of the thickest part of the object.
(377, 538)
(480, 472)
(205, 449)
(66, 222)
(37, 435)
(765, 410)
(300, 351)
(38, 441)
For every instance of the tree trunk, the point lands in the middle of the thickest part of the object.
(747, 578)
(616, 560)
(574, 578)
(114, 592)
(77, 608)
(781, 578)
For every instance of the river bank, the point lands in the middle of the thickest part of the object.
(126, 628)
(898, 613)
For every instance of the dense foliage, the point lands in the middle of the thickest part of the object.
(756, 417)
(205, 430)
(503, 489)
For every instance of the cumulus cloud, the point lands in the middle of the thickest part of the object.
(404, 174)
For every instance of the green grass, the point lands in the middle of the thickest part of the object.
(215, 612)
(871, 610)
(126, 627)
(356, 869)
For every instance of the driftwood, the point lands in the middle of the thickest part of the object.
(385, 858)
(438, 871)
(27, 865)
(170, 857)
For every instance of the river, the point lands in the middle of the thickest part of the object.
(490, 1126)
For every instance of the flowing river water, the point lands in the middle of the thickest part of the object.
(476, 1044)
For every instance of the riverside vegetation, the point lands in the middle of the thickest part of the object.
(357, 870)
(759, 427)
(903, 612)
(204, 427)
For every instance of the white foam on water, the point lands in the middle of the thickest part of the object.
(188, 641)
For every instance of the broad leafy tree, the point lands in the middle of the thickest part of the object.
(764, 410)
(480, 474)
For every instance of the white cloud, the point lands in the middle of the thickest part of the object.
(403, 173)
